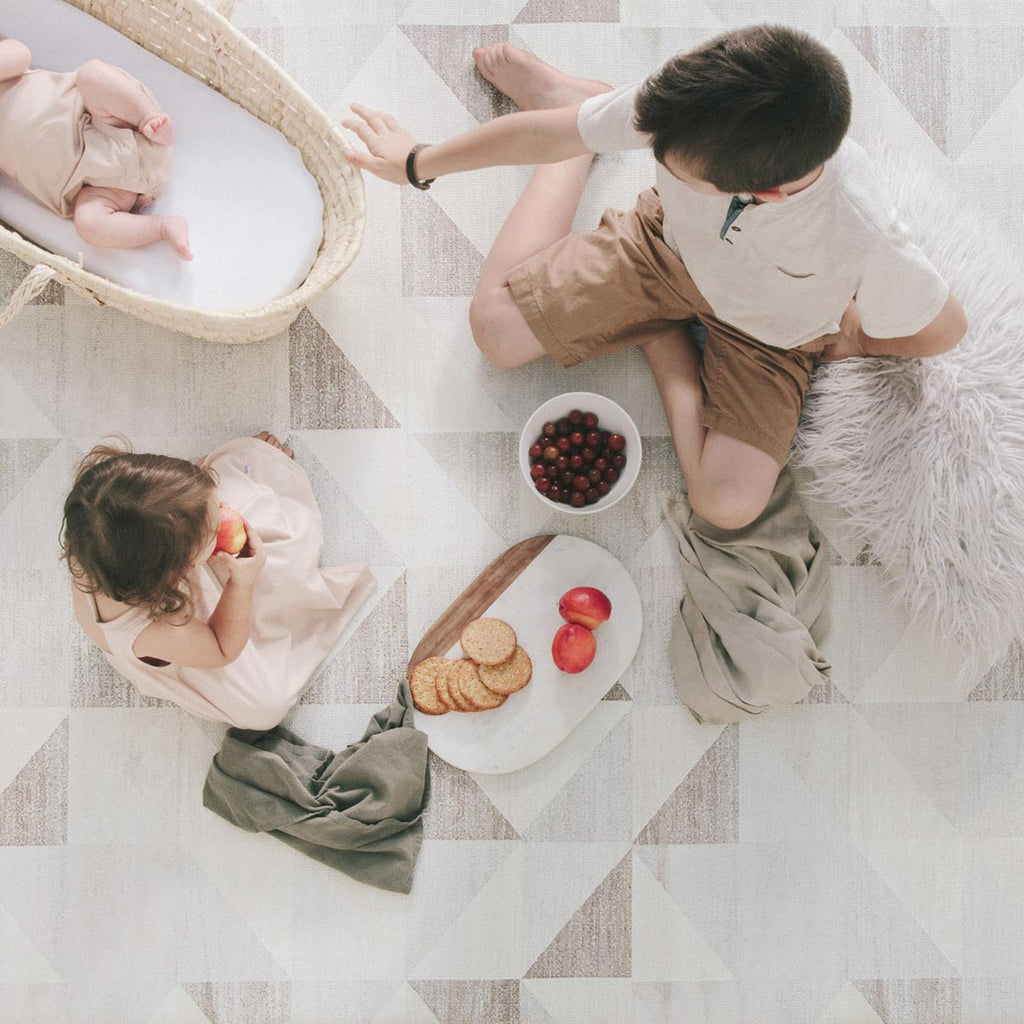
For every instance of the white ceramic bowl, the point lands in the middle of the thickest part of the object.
(611, 416)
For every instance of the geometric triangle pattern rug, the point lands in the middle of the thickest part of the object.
(856, 859)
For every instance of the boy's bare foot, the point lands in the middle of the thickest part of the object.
(157, 128)
(266, 435)
(174, 229)
(528, 81)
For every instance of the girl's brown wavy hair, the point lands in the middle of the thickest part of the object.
(134, 523)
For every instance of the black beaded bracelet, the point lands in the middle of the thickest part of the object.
(410, 168)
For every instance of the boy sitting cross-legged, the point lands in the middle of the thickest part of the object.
(765, 224)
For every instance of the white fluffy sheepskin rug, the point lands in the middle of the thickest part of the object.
(927, 456)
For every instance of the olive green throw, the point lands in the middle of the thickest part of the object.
(358, 810)
(755, 608)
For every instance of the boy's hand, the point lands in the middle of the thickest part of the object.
(387, 141)
(848, 345)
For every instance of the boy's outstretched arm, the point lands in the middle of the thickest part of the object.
(528, 137)
(943, 333)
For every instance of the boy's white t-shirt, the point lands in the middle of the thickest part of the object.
(785, 272)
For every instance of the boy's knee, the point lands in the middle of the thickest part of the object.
(490, 333)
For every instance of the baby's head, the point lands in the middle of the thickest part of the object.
(749, 111)
(134, 525)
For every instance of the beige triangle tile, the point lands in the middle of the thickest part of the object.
(521, 796)
(19, 459)
(34, 805)
(475, 1000)
(596, 941)
(584, 1000)
(921, 667)
(537, 889)
(178, 1008)
(297, 908)
(405, 1006)
(914, 1000)
(426, 496)
(667, 743)
(849, 1007)
(439, 259)
(19, 414)
(877, 108)
(667, 946)
(997, 139)
(256, 1002)
(373, 659)
(460, 12)
(327, 392)
(430, 110)
(1005, 679)
(590, 49)
(530, 1010)
(596, 803)
(22, 963)
(927, 877)
(449, 51)
(705, 806)
(459, 809)
(914, 63)
(568, 10)
(26, 730)
(668, 13)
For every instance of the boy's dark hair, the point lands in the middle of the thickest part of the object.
(133, 524)
(750, 110)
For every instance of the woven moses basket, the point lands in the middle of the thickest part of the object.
(203, 43)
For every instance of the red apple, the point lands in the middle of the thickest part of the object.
(573, 648)
(585, 605)
(231, 534)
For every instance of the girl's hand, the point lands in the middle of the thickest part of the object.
(246, 566)
(387, 141)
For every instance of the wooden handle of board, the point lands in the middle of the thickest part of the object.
(478, 597)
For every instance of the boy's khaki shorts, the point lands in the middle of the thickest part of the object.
(596, 292)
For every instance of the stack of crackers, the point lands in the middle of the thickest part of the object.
(495, 666)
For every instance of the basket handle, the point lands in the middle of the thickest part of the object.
(31, 285)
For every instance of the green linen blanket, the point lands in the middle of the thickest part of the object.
(755, 609)
(358, 810)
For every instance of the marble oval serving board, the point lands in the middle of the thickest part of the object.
(522, 587)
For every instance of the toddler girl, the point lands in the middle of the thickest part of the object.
(92, 144)
(229, 638)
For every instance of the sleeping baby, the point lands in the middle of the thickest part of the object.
(91, 144)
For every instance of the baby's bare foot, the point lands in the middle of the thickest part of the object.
(266, 435)
(528, 81)
(174, 229)
(158, 129)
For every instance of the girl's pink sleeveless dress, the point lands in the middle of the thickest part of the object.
(300, 609)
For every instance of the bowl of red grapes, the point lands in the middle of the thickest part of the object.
(580, 452)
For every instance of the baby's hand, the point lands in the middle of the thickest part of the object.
(244, 567)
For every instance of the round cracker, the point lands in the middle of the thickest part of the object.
(422, 686)
(442, 685)
(473, 689)
(509, 676)
(453, 679)
(488, 641)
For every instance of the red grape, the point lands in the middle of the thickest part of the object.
(550, 453)
(581, 483)
(576, 437)
(542, 484)
(549, 429)
(616, 442)
(593, 439)
(536, 451)
(591, 496)
(590, 420)
(575, 417)
(577, 500)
